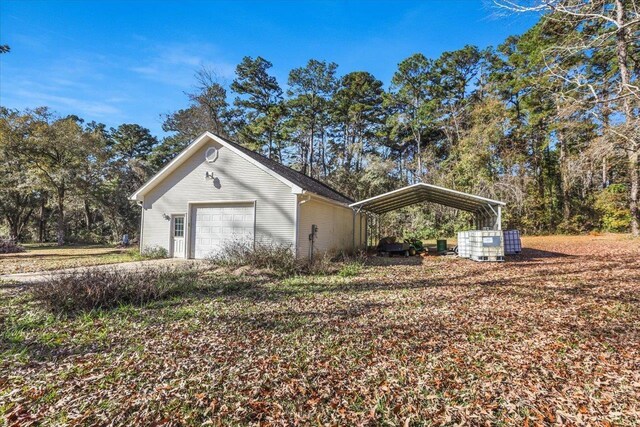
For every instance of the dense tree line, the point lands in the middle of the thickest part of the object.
(547, 121)
(66, 180)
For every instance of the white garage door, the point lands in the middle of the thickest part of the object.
(215, 226)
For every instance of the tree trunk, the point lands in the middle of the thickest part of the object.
(19, 217)
(418, 142)
(41, 218)
(303, 156)
(417, 136)
(13, 229)
(633, 149)
(87, 215)
(324, 159)
(279, 148)
(634, 165)
(566, 206)
(359, 140)
(347, 148)
(538, 168)
(61, 216)
(310, 162)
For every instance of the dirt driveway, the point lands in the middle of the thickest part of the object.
(49, 257)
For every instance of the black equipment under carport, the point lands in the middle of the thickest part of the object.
(388, 246)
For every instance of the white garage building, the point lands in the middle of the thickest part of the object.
(216, 192)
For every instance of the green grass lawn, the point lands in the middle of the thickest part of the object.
(39, 257)
(551, 336)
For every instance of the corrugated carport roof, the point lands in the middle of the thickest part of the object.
(421, 192)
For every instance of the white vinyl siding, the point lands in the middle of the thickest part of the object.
(236, 180)
(335, 227)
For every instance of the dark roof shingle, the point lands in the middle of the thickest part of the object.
(301, 180)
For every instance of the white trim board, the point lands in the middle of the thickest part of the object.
(323, 199)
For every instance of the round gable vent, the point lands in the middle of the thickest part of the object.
(211, 154)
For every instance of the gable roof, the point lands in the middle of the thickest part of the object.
(298, 182)
(422, 192)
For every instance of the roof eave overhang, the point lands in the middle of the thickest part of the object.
(323, 198)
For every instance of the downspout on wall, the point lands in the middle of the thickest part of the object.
(301, 200)
(141, 204)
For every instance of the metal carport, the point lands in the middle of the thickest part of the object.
(487, 212)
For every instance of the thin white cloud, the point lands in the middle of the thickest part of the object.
(68, 83)
(149, 71)
(175, 64)
(83, 107)
(113, 88)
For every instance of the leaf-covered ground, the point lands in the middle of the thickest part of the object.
(51, 257)
(549, 337)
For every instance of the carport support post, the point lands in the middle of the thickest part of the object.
(366, 231)
(360, 229)
(353, 229)
(355, 213)
(497, 224)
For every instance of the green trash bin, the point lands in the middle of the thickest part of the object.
(441, 246)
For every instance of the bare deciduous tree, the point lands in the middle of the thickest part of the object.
(601, 27)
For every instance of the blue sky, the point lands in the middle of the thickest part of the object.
(131, 61)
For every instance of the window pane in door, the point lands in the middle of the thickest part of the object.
(178, 226)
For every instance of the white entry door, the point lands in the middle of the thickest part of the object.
(177, 236)
(215, 226)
